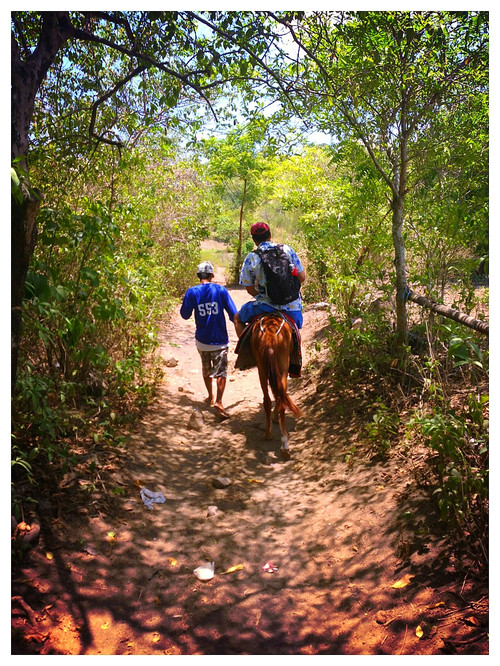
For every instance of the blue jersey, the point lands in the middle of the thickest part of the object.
(208, 302)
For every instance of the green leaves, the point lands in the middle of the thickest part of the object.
(16, 190)
(465, 351)
(37, 286)
(109, 310)
(460, 464)
(236, 165)
(91, 275)
(463, 347)
(74, 331)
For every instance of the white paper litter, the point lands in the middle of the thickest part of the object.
(205, 572)
(149, 498)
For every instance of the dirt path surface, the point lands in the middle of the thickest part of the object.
(123, 582)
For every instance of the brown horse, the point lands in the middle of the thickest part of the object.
(272, 345)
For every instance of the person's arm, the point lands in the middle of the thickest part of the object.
(247, 276)
(229, 305)
(300, 270)
(252, 290)
(187, 306)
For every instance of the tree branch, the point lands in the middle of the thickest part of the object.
(85, 35)
(106, 96)
(250, 52)
(117, 20)
(451, 313)
(351, 119)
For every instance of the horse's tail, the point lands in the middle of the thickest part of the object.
(276, 382)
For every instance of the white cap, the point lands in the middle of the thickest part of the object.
(205, 267)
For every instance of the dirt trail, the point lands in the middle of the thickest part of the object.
(331, 529)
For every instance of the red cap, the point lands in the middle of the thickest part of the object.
(259, 229)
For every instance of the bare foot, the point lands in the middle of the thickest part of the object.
(220, 409)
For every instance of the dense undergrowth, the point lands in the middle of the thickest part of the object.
(437, 403)
(103, 280)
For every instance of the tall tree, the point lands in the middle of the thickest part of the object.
(382, 78)
(236, 164)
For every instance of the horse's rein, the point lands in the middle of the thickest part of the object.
(279, 329)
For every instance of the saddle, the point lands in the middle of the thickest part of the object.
(243, 349)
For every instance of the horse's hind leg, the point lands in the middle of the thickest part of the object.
(280, 405)
(267, 407)
(285, 452)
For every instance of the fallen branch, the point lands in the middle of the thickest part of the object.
(459, 644)
(446, 311)
(26, 608)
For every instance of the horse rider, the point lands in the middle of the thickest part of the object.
(252, 277)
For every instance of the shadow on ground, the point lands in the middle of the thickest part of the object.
(110, 576)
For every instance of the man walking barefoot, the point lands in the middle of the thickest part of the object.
(208, 301)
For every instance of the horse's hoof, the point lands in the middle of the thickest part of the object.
(285, 454)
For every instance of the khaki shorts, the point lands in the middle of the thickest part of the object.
(214, 363)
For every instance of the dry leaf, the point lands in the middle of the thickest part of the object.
(425, 630)
(403, 582)
(172, 561)
(49, 556)
(36, 638)
(111, 536)
(472, 621)
(255, 481)
(438, 605)
(236, 567)
(23, 527)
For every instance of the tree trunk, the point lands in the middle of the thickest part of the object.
(27, 74)
(400, 264)
(446, 311)
(240, 240)
(398, 198)
(23, 239)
